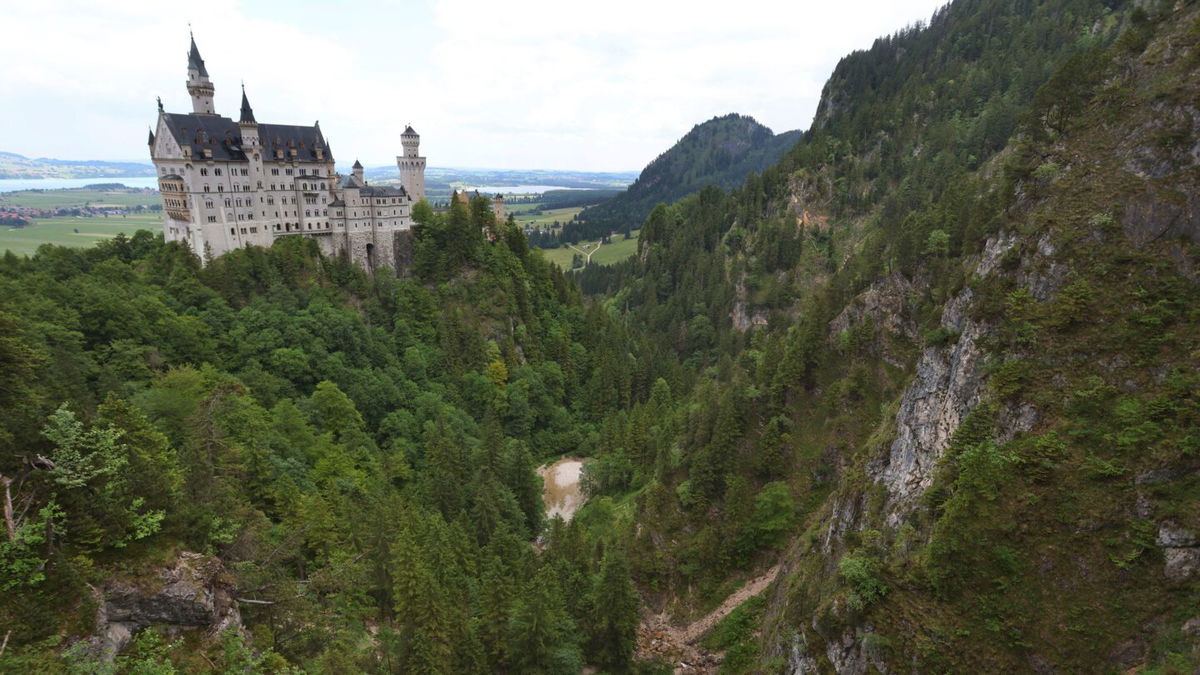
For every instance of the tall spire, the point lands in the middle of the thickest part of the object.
(194, 60)
(151, 141)
(199, 87)
(247, 111)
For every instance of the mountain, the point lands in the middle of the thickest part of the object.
(941, 360)
(720, 152)
(13, 165)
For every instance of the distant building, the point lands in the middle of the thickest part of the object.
(466, 197)
(228, 184)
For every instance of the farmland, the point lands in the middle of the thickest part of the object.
(74, 231)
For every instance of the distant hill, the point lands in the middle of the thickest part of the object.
(13, 165)
(722, 151)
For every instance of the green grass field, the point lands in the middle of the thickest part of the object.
(50, 199)
(607, 254)
(62, 231)
(545, 218)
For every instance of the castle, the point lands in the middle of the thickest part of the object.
(228, 184)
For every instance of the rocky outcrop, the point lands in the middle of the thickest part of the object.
(887, 305)
(1181, 551)
(189, 594)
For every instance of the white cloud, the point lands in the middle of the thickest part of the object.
(523, 84)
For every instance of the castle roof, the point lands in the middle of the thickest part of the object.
(408, 130)
(384, 191)
(247, 111)
(194, 60)
(151, 141)
(223, 137)
(357, 164)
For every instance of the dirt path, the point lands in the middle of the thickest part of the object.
(658, 638)
(585, 253)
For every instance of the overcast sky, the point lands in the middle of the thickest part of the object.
(550, 84)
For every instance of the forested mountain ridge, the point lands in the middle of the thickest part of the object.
(949, 339)
(720, 152)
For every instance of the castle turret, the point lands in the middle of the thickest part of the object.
(412, 165)
(357, 170)
(199, 87)
(247, 124)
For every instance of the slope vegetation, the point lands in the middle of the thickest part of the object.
(941, 359)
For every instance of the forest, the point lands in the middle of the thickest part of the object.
(358, 450)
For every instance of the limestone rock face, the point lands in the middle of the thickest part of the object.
(947, 386)
(1181, 551)
(188, 594)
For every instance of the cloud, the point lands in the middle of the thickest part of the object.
(522, 84)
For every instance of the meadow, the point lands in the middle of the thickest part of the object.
(521, 213)
(74, 231)
(607, 254)
(54, 199)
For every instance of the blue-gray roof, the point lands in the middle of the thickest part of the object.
(223, 137)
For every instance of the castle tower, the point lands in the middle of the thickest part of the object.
(357, 171)
(199, 87)
(412, 165)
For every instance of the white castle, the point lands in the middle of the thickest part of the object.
(228, 184)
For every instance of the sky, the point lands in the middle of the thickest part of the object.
(516, 84)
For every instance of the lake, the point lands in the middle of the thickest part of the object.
(15, 184)
(520, 189)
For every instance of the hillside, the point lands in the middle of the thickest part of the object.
(720, 152)
(941, 360)
(13, 165)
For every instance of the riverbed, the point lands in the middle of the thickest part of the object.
(561, 493)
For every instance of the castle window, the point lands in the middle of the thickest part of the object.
(303, 171)
(208, 205)
(232, 230)
(220, 188)
(288, 171)
(203, 171)
(245, 172)
(216, 172)
(246, 187)
(254, 230)
(274, 172)
(228, 202)
(206, 188)
(243, 230)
